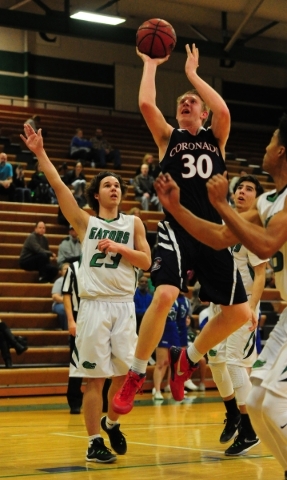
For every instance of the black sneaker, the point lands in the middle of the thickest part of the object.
(98, 452)
(285, 475)
(231, 429)
(117, 440)
(241, 445)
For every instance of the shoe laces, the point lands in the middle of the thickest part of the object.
(129, 387)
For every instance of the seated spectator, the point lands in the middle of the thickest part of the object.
(137, 213)
(76, 180)
(103, 151)
(70, 248)
(7, 341)
(58, 303)
(153, 165)
(7, 186)
(41, 191)
(35, 255)
(22, 193)
(35, 122)
(80, 148)
(144, 190)
(142, 299)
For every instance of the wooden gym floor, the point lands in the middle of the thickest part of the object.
(166, 440)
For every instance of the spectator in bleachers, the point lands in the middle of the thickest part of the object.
(144, 190)
(7, 186)
(7, 341)
(76, 180)
(57, 296)
(36, 255)
(22, 193)
(142, 299)
(80, 148)
(153, 165)
(137, 213)
(35, 122)
(70, 248)
(41, 191)
(103, 151)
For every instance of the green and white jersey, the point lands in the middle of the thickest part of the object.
(107, 276)
(245, 261)
(268, 205)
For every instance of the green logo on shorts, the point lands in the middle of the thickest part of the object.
(212, 353)
(259, 364)
(89, 366)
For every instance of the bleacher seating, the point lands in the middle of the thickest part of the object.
(25, 305)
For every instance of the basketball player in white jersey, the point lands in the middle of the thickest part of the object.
(231, 360)
(263, 230)
(114, 247)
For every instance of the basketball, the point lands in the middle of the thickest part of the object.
(156, 38)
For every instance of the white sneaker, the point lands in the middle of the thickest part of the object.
(167, 389)
(153, 392)
(190, 385)
(201, 387)
(158, 396)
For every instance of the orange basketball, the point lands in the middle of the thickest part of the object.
(156, 38)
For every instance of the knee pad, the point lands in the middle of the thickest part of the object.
(241, 382)
(222, 379)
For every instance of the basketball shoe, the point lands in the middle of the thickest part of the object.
(232, 427)
(117, 439)
(181, 370)
(98, 452)
(123, 400)
(241, 444)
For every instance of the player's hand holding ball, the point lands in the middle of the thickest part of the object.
(156, 38)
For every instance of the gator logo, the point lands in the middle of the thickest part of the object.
(212, 353)
(89, 366)
(259, 364)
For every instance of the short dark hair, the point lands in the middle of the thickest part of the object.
(282, 127)
(94, 187)
(249, 178)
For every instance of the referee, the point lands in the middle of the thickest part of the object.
(71, 302)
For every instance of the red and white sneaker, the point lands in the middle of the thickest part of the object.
(123, 400)
(181, 370)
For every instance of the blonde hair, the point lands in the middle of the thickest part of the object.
(146, 156)
(205, 107)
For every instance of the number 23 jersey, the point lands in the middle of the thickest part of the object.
(107, 276)
(191, 160)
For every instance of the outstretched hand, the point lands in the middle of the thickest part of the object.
(145, 58)
(217, 187)
(32, 140)
(192, 60)
(167, 191)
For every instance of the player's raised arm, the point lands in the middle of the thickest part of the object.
(74, 214)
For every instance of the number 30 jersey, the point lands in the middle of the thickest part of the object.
(107, 276)
(268, 204)
(191, 160)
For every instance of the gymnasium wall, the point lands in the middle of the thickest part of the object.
(93, 74)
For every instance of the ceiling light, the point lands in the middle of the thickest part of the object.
(97, 18)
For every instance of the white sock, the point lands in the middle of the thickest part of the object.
(139, 366)
(92, 437)
(110, 423)
(194, 354)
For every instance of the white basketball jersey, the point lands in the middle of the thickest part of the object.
(245, 261)
(107, 276)
(268, 205)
